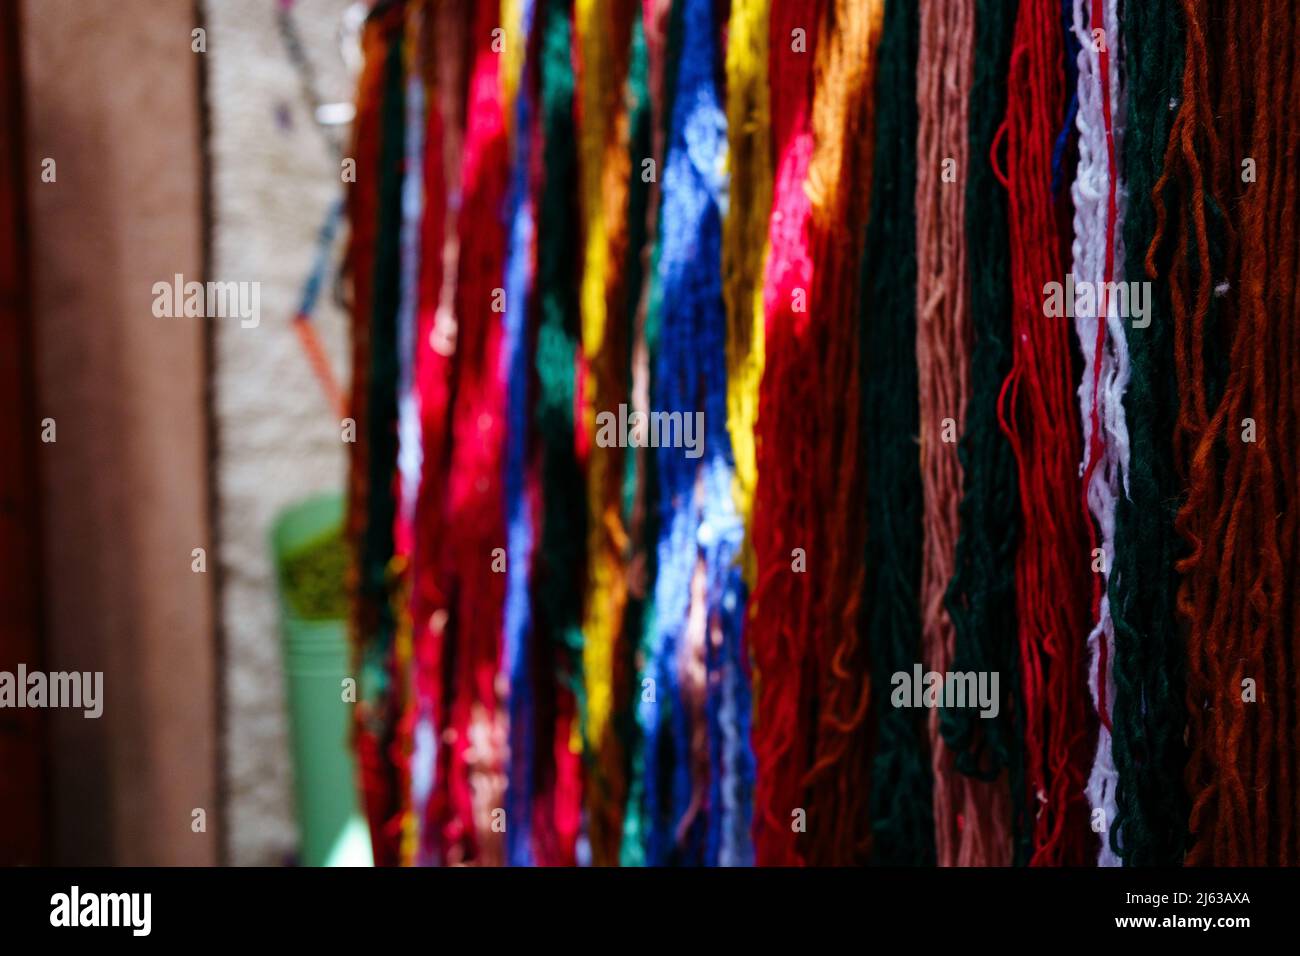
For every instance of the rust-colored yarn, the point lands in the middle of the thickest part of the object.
(1237, 349)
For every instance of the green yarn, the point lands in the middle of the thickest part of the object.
(901, 816)
(639, 619)
(381, 402)
(559, 572)
(637, 613)
(1149, 711)
(981, 597)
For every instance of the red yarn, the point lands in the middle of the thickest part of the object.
(780, 606)
(1036, 414)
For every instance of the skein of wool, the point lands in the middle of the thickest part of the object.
(379, 682)
(363, 202)
(971, 818)
(560, 561)
(519, 480)
(901, 785)
(647, 71)
(1233, 282)
(1098, 247)
(409, 448)
(981, 599)
(838, 783)
(438, 784)
(780, 602)
(1148, 712)
(476, 523)
(696, 592)
(604, 36)
(744, 240)
(1035, 412)
(744, 254)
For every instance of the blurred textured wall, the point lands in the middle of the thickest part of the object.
(278, 441)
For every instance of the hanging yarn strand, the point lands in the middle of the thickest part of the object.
(902, 817)
(780, 600)
(1103, 342)
(981, 594)
(972, 818)
(604, 36)
(1035, 409)
(1232, 286)
(560, 568)
(838, 782)
(1148, 711)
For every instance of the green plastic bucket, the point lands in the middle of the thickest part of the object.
(331, 830)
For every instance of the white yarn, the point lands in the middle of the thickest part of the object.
(1090, 195)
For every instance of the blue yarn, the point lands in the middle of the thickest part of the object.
(517, 659)
(691, 376)
(1071, 84)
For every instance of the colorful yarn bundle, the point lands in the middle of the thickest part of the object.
(825, 432)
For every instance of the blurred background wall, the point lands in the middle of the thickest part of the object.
(171, 434)
(274, 179)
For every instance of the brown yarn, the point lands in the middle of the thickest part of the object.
(1233, 292)
(972, 818)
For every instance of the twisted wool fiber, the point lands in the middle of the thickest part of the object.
(409, 449)
(981, 599)
(635, 264)
(475, 502)
(363, 204)
(1237, 287)
(838, 783)
(519, 478)
(603, 44)
(780, 602)
(431, 595)
(1148, 712)
(901, 799)
(382, 707)
(700, 532)
(1035, 413)
(1197, 184)
(744, 256)
(639, 622)
(744, 240)
(971, 818)
(561, 557)
(1098, 248)
(439, 808)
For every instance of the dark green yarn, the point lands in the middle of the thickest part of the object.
(381, 400)
(1149, 712)
(560, 566)
(981, 597)
(639, 627)
(902, 820)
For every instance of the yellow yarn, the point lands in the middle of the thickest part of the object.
(744, 242)
(603, 35)
(514, 48)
